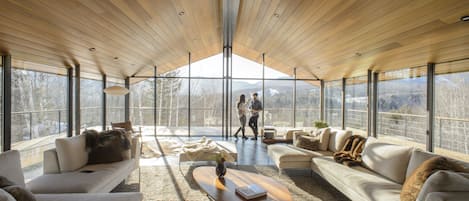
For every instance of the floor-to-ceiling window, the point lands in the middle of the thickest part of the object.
(356, 101)
(91, 104)
(307, 103)
(451, 123)
(206, 102)
(402, 96)
(333, 103)
(38, 115)
(1, 104)
(114, 105)
(142, 103)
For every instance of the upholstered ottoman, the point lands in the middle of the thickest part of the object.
(291, 157)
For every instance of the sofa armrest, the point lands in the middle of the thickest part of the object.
(297, 134)
(51, 162)
(90, 197)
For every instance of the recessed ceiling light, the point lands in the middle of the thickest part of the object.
(358, 54)
(92, 49)
(465, 18)
(276, 15)
(181, 13)
(116, 58)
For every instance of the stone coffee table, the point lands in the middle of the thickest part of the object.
(207, 180)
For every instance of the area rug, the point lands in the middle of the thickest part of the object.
(172, 183)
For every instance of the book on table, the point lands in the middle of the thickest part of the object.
(251, 191)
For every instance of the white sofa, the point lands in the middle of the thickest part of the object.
(286, 156)
(10, 167)
(387, 168)
(65, 169)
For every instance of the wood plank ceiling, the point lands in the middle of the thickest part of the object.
(335, 38)
(140, 33)
(328, 38)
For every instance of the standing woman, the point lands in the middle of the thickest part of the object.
(241, 106)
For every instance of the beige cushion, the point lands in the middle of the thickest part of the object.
(71, 153)
(444, 181)
(337, 139)
(289, 156)
(103, 179)
(389, 160)
(419, 156)
(357, 183)
(5, 196)
(308, 142)
(10, 167)
(324, 136)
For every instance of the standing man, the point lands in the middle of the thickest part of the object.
(255, 106)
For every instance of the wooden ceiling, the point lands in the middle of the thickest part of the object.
(329, 39)
(335, 38)
(140, 33)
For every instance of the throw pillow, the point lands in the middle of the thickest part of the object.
(14, 191)
(308, 142)
(444, 181)
(71, 153)
(5, 196)
(19, 193)
(337, 139)
(413, 185)
(389, 160)
(107, 147)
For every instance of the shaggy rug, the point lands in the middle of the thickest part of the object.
(172, 183)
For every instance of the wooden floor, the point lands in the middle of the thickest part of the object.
(250, 152)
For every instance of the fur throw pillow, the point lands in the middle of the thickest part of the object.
(16, 191)
(413, 184)
(308, 142)
(107, 146)
(350, 154)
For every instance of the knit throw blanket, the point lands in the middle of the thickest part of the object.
(350, 154)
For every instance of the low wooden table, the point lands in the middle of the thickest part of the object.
(209, 183)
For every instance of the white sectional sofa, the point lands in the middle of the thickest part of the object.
(10, 167)
(386, 167)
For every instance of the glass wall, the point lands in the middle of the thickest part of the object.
(91, 103)
(172, 106)
(278, 106)
(402, 97)
(307, 103)
(206, 107)
(356, 101)
(38, 116)
(142, 103)
(1, 104)
(451, 125)
(115, 111)
(333, 103)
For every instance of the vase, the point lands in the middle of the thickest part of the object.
(220, 170)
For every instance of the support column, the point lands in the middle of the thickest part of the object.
(6, 74)
(77, 100)
(189, 100)
(294, 97)
(104, 103)
(155, 93)
(69, 102)
(375, 104)
(263, 90)
(370, 101)
(321, 101)
(127, 100)
(343, 103)
(430, 104)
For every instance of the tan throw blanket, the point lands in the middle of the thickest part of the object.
(350, 154)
